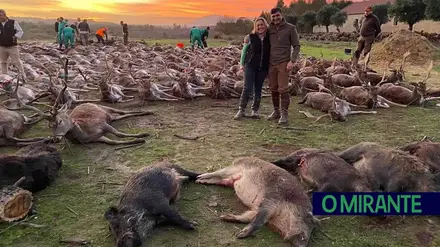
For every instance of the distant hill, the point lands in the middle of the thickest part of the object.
(210, 20)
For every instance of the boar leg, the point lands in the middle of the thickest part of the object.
(353, 154)
(262, 217)
(245, 217)
(192, 176)
(172, 216)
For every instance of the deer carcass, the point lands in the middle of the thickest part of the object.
(271, 194)
(336, 109)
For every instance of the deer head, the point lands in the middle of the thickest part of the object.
(60, 121)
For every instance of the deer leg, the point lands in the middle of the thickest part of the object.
(110, 129)
(127, 115)
(106, 140)
(118, 111)
(362, 112)
(390, 102)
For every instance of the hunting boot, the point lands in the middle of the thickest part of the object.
(285, 101)
(276, 106)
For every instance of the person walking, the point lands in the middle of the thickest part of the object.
(100, 35)
(255, 63)
(195, 35)
(283, 37)
(69, 36)
(205, 34)
(125, 32)
(369, 30)
(60, 31)
(84, 32)
(75, 27)
(57, 23)
(10, 31)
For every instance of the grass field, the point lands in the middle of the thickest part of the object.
(79, 185)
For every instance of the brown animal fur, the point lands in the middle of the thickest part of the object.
(428, 152)
(389, 170)
(272, 195)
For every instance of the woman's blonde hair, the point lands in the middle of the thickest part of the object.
(255, 23)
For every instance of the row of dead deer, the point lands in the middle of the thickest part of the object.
(336, 93)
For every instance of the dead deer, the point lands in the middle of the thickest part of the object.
(13, 123)
(402, 95)
(336, 109)
(88, 123)
(182, 88)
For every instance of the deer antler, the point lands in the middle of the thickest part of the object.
(431, 64)
(21, 105)
(404, 59)
(57, 101)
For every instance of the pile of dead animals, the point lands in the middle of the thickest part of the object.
(276, 192)
(335, 87)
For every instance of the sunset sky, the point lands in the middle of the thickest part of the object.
(135, 11)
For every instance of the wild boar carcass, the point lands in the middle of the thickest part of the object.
(38, 163)
(323, 171)
(146, 198)
(388, 169)
(273, 196)
(426, 151)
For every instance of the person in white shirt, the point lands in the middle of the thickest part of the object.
(10, 31)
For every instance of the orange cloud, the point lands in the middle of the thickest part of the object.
(137, 11)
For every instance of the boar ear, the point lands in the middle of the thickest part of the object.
(111, 214)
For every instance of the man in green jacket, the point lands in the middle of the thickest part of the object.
(195, 35)
(69, 36)
(283, 37)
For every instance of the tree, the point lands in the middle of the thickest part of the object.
(324, 15)
(292, 19)
(381, 11)
(341, 4)
(432, 11)
(265, 15)
(408, 11)
(338, 19)
(308, 20)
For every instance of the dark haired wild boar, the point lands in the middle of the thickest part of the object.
(146, 198)
(323, 171)
(273, 196)
(426, 151)
(389, 170)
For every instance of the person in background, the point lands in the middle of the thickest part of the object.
(356, 25)
(283, 37)
(195, 35)
(369, 30)
(75, 27)
(125, 32)
(205, 34)
(100, 35)
(69, 36)
(255, 62)
(60, 31)
(84, 32)
(57, 23)
(10, 31)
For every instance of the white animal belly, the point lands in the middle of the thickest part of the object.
(248, 192)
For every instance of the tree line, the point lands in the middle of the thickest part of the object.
(306, 14)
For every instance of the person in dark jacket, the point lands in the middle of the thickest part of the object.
(10, 31)
(84, 32)
(369, 30)
(255, 62)
(125, 32)
(205, 34)
(57, 23)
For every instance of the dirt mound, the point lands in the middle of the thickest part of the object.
(394, 46)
